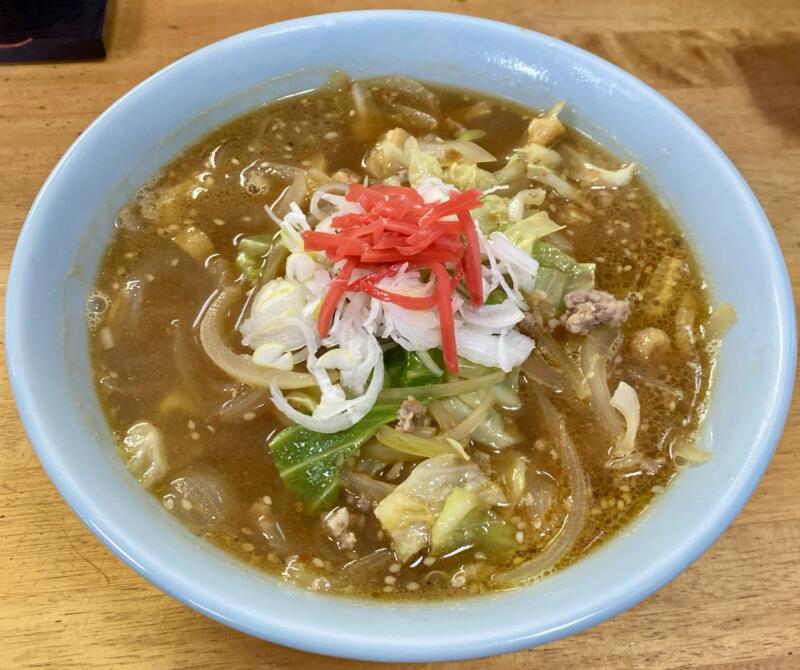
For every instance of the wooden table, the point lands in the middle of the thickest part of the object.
(734, 66)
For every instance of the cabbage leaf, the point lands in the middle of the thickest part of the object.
(310, 463)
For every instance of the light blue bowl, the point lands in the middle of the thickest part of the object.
(70, 224)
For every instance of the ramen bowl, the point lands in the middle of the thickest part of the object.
(70, 224)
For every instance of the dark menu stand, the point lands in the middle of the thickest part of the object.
(51, 30)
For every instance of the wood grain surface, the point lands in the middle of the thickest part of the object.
(733, 66)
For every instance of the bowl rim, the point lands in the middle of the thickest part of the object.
(307, 638)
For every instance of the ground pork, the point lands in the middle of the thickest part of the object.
(587, 308)
(410, 409)
(337, 523)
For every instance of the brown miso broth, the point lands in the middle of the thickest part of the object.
(176, 246)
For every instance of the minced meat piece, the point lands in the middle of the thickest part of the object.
(337, 523)
(530, 323)
(587, 308)
(410, 409)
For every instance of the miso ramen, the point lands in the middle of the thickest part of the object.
(397, 340)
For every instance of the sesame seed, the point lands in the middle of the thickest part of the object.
(194, 435)
(267, 500)
(351, 113)
(428, 561)
(186, 504)
(288, 148)
(219, 222)
(191, 425)
(458, 581)
(657, 488)
(388, 588)
(412, 586)
(389, 579)
(246, 546)
(149, 277)
(318, 562)
(520, 537)
(251, 148)
(245, 531)
(480, 556)
(395, 567)
(249, 416)
(169, 503)
(332, 135)
(174, 262)
(235, 161)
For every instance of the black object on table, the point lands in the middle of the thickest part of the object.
(47, 30)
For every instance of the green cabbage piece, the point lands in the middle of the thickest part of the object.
(465, 521)
(579, 275)
(251, 253)
(524, 233)
(492, 215)
(408, 514)
(310, 463)
(466, 174)
(406, 368)
(420, 163)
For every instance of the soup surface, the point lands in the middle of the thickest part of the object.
(476, 349)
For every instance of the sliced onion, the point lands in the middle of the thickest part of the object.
(417, 93)
(241, 366)
(466, 427)
(433, 391)
(249, 402)
(626, 401)
(595, 354)
(572, 372)
(576, 517)
(452, 151)
(538, 371)
(612, 178)
(722, 318)
(294, 193)
(373, 490)
(441, 415)
(413, 118)
(495, 317)
(144, 453)
(546, 176)
(691, 454)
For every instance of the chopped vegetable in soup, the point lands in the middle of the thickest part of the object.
(397, 340)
